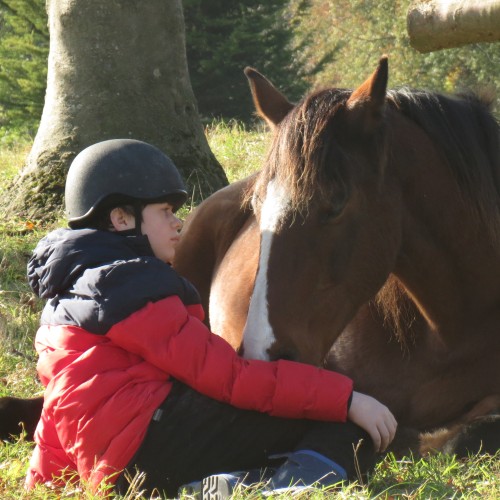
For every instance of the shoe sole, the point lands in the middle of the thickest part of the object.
(215, 488)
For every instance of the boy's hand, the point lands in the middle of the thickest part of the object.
(374, 418)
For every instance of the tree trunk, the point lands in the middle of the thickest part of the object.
(442, 24)
(117, 69)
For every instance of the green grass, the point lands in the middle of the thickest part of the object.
(19, 307)
(241, 152)
(11, 160)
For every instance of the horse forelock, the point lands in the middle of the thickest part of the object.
(297, 157)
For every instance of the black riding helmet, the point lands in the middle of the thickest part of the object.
(119, 171)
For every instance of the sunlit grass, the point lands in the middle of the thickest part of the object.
(19, 307)
(439, 477)
(11, 160)
(239, 149)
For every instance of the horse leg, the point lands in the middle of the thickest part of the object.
(477, 431)
(17, 414)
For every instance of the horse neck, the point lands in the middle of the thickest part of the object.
(448, 260)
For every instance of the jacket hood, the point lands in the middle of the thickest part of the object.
(62, 256)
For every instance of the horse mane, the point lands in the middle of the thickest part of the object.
(463, 128)
(398, 311)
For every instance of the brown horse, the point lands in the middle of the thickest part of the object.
(368, 243)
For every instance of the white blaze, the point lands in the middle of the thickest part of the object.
(258, 335)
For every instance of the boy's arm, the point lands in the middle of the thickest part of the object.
(164, 334)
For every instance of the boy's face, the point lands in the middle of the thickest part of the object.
(161, 226)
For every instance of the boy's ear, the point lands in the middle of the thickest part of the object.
(121, 220)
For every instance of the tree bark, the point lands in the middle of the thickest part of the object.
(117, 69)
(440, 24)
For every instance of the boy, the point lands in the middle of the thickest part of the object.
(134, 379)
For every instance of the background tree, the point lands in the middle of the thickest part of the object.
(116, 69)
(24, 49)
(225, 36)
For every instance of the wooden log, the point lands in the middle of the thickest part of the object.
(440, 24)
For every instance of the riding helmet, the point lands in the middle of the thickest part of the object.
(118, 171)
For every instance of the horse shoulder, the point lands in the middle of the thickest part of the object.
(207, 234)
(232, 284)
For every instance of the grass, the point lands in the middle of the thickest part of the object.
(240, 151)
(11, 159)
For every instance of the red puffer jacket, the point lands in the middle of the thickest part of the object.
(102, 390)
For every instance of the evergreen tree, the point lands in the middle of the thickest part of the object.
(24, 46)
(222, 37)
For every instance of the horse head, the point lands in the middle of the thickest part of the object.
(329, 223)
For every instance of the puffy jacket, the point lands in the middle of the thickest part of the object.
(118, 326)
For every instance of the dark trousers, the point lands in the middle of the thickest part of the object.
(196, 436)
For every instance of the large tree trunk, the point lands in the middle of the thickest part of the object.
(117, 69)
(442, 24)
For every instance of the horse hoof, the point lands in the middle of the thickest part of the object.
(480, 436)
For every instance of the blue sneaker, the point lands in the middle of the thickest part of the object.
(305, 469)
(302, 471)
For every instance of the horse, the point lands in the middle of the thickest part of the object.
(367, 244)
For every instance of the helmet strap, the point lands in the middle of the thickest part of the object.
(138, 217)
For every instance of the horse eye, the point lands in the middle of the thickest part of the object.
(330, 214)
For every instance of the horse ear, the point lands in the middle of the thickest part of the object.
(367, 102)
(270, 104)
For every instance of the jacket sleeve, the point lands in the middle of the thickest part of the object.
(166, 335)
